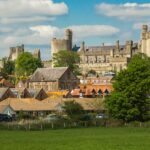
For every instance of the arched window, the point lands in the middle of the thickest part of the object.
(100, 92)
(106, 92)
(93, 93)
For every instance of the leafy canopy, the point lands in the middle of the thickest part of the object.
(9, 67)
(131, 89)
(66, 58)
(73, 109)
(26, 64)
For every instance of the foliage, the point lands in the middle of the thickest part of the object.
(129, 99)
(9, 67)
(73, 109)
(66, 58)
(26, 64)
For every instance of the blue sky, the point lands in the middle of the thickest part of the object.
(35, 22)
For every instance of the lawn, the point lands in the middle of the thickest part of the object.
(77, 139)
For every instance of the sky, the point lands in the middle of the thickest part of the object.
(35, 22)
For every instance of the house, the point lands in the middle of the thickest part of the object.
(53, 79)
(92, 91)
(29, 106)
(34, 107)
(6, 93)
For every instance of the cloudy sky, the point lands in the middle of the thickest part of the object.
(35, 22)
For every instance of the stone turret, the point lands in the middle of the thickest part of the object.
(129, 45)
(117, 45)
(69, 38)
(82, 46)
(145, 40)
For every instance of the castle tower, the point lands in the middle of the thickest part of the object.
(82, 46)
(68, 34)
(143, 38)
(15, 52)
(117, 45)
(129, 45)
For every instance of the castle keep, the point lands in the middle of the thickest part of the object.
(62, 44)
(103, 58)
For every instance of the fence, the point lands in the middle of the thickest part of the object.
(39, 125)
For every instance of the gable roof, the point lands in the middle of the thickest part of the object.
(48, 74)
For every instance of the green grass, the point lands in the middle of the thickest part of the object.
(77, 139)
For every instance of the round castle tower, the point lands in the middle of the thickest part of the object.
(62, 44)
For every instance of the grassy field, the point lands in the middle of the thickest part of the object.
(77, 139)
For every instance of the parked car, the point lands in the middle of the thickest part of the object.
(101, 116)
(5, 117)
(52, 118)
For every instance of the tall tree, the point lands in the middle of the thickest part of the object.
(67, 59)
(26, 64)
(129, 99)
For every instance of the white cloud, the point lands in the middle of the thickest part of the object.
(126, 11)
(42, 34)
(140, 24)
(82, 31)
(14, 11)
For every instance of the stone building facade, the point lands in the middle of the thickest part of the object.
(104, 59)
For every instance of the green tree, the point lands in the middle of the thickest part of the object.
(129, 99)
(9, 67)
(73, 109)
(67, 59)
(26, 64)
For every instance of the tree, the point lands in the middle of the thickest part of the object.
(67, 59)
(129, 99)
(9, 67)
(73, 109)
(26, 64)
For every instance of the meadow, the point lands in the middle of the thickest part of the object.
(77, 139)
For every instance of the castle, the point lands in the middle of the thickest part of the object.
(16, 51)
(103, 58)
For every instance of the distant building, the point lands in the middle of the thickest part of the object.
(53, 79)
(16, 51)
